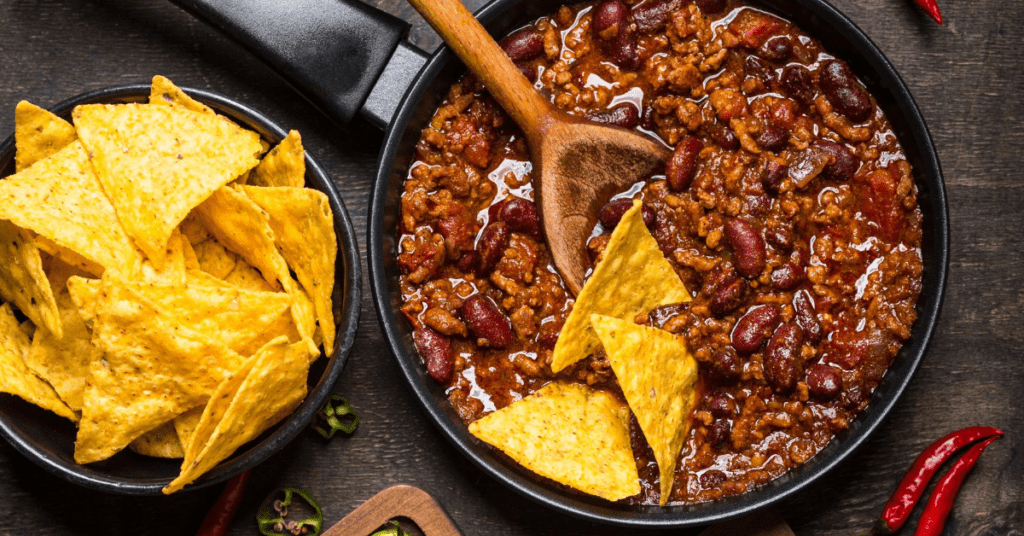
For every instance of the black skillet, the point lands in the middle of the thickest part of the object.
(347, 58)
(49, 440)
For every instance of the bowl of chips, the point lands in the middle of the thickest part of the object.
(180, 288)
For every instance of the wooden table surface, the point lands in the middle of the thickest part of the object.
(966, 76)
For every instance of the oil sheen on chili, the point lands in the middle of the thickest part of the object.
(788, 209)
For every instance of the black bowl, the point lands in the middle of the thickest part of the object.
(840, 37)
(49, 440)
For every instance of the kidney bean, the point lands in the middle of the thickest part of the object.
(624, 115)
(823, 381)
(663, 313)
(712, 479)
(726, 365)
(486, 321)
(797, 82)
(652, 16)
(548, 334)
(773, 138)
(647, 118)
(776, 48)
(754, 327)
(806, 317)
(492, 245)
(718, 432)
(682, 166)
(529, 71)
(523, 45)
(773, 175)
(841, 88)
(757, 205)
(436, 352)
(729, 296)
(783, 366)
(748, 247)
(613, 211)
(788, 276)
(844, 164)
(710, 6)
(780, 236)
(722, 405)
(520, 215)
(611, 25)
(757, 68)
(468, 262)
(723, 136)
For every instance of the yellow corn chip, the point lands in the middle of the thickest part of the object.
(214, 259)
(272, 387)
(60, 198)
(634, 277)
(658, 378)
(63, 361)
(284, 165)
(173, 270)
(244, 228)
(245, 276)
(156, 163)
(15, 377)
(68, 257)
(191, 260)
(164, 93)
(569, 433)
(186, 423)
(160, 442)
(224, 315)
(28, 328)
(193, 230)
(38, 134)
(303, 228)
(152, 370)
(22, 280)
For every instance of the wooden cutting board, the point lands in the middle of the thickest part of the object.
(418, 506)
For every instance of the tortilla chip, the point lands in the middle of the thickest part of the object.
(222, 315)
(173, 270)
(569, 433)
(61, 198)
(191, 260)
(22, 280)
(214, 259)
(186, 423)
(658, 377)
(267, 388)
(156, 163)
(28, 328)
(160, 442)
(194, 231)
(163, 92)
(303, 228)
(38, 134)
(64, 360)
(68, 257)
(243, 227)
(634, 277)
(284, 165)
(245, 276)
(15, 377)
(152, 370)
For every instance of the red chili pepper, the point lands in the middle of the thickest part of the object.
(909, 490)
(219, 517)
(933, 519)
(931, 7)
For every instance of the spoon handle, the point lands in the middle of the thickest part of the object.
(477, 49)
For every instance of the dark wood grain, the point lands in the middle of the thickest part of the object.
(966, 76)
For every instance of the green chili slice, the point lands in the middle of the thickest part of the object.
(336, 408)
(394, 530)
(271, 522)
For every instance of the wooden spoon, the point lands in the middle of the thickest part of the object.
(577, 165)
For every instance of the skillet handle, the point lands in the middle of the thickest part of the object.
(330, 51)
